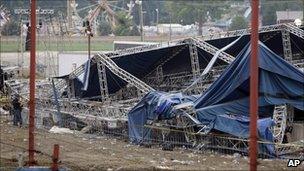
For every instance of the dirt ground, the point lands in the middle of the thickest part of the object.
(91, 152)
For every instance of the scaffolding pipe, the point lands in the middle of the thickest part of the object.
(254, 88)
(32, 85)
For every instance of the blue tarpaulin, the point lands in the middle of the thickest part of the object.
(225, 105)
(153, 106)
(279, 83)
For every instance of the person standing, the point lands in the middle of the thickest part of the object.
(17, 108)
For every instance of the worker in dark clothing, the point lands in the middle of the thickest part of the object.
(16, 110)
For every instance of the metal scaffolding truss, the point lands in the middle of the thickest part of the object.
(194, 60)
(294, 30)
(140, 49)
(286, 45)
(279, 118)
(236, 33)
(84, 108)
(102, 59)
(212, 50)
(174, 53)
(102, 77)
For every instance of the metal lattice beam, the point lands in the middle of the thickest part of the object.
(212, 50)
(129, 78)
(286, 45)
(294, 30)
(237, 33)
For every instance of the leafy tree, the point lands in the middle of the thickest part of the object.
(238, 22)
(104, 28)
(124, 26)
(268, 9)
(194, 12)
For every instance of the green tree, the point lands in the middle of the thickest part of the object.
(194, 12)
(124, 26)
(238, 22)
(104, 28)
(268, 9)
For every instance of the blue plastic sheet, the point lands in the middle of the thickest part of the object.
(225, 105)
(153, 106)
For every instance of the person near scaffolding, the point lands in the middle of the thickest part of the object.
(16, 111)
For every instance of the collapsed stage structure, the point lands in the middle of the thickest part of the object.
(203, 81)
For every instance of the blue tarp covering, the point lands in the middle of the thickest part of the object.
(279, 83)
(225, 105)
(153, 106)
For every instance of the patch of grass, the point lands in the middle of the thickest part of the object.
(14, 46)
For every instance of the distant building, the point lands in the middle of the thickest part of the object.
(165, 28)
(288, 16)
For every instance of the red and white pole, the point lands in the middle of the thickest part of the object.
(32, 85)
(254, 84)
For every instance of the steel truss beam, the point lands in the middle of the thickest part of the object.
(294, 30)
(102, 77)
(237, 33)
(286, 45)
(212, 50)
(102, 59)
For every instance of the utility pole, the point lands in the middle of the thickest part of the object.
(156, 20)
(141, 18)
(254, 82)
(69, 14)
(32, 85)
(89, 33)
(170, 29)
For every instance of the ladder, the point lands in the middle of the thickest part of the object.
(102, 59)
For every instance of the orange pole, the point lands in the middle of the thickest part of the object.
(254, 84)
(32, 85)
(55, 157)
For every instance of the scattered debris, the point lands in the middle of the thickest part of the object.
(58, 130)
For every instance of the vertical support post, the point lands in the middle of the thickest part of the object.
(102, 76)
(159, 73)
(32, 85)
(286, 45)
(89, 44)
(141, 22)
(254, 88)
(57, 117)
(55, 158)
(88, 31)
(195, 65)
(69, 14)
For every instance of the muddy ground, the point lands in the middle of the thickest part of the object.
(91, 152)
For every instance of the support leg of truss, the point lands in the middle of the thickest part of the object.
(103, 82)
(159, 74)
(286, 45)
